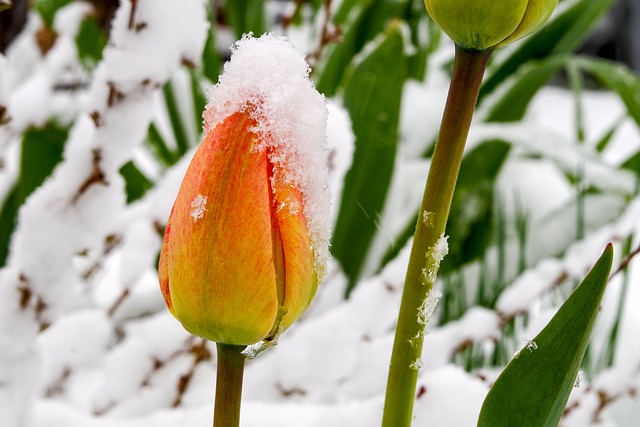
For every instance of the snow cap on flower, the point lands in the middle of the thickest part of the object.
(247, 241)
(486, 24)
(270, 74)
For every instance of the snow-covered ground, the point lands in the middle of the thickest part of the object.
(85, 337)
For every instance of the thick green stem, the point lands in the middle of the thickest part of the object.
(468, 70)
(228, 386)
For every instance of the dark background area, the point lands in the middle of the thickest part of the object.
(617, 37)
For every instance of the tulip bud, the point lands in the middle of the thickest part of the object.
(246, 243)
(485, 24)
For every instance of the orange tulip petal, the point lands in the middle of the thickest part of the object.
(163, 269)
(220, 259)
(301, 278)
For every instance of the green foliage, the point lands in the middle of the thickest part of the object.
(372, 97)
(559, 37)
(177, 124)
(211, 63)
(246, 16)
(471, 216)
(159, 147)
(136, 183)
(364, 21)
(378, 45)
(8, 216)
(90, 42)
(618, 78)
(534, 387)
(512, 105)
(41, 151)
(48, 9)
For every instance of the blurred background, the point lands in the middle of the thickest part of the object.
(101, 109)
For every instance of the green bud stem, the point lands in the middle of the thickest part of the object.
(468, 70)
(228, 385)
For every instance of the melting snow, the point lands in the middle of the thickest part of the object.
(198, 207)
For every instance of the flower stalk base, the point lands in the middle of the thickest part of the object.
(228, 385)
(468, 70)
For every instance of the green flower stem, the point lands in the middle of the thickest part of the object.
(228, 386)
(468, 70)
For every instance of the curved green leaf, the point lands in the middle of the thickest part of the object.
(561, 36)
(361, 22)
(533, 389)
(512, 105)
(41, 151)
(372, 97)
(618, 78)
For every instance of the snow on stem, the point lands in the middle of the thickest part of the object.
(429, 240)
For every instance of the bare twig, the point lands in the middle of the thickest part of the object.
(111, 242)
(25, 291)
(200, 353)
(57, 388)
(115, 95)
(27, 295)
(160, 363)
(328, 34)
(118, 302)
(132, 15)
(625, 262)
(287, 20)
(96, 177)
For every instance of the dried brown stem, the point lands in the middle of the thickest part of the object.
(200, 354)
(96, 176)
(327, 35)
(118, 302)
(132, 15)
(625, 262)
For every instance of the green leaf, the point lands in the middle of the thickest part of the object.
(533, 389)
(159, 146)
(8, 217)
(48, 9)
(246, 16)
(468, 234)
(618, 78)
(419, 61)
(179, 131)
(512, 105)
(199, 101)
(361, 22)
(372, 97)
(632, 163)
(41, 151)
(90, 42)
(211, 62)
(337, 56)
(561, 36)
(136, 183)
(471, 217)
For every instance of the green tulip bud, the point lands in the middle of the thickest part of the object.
(487, 24)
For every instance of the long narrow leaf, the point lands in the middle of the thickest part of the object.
(533, 389)
(512, 105)
(619, 79)
(246, 16)
(372, 97)
(560, 36)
